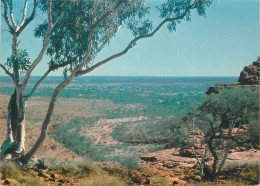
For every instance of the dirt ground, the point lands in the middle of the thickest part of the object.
(68, 109)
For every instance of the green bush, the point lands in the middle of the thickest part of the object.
(237, 106)
(131, 162)
(179, 133)
(217, 117)
(231, 105)
(254, 129)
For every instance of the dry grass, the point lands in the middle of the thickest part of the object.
(87, 174)
(82, 173)
(23, 175)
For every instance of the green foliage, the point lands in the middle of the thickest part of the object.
(70, 37)
(219, 114)
(254, 129)
(176, 8)
(250, 174)
(21, 61)
(234, 105)
(131, 162)
(231, 108)
(153, 131)
(72, 140)
(179, 134)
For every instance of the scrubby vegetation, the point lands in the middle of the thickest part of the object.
(69, 137)
(82, 173)
(24, 176)
(143, 132)
(227, 120)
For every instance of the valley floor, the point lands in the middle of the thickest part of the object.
(165, 166)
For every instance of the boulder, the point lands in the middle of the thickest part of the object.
(148, 182)
(176, 181)
(197, 178)
(55, 176)
(45, 175)
(9, 181)
(148, 157)
(185, 152)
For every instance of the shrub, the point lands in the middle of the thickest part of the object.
(131, 161)
(217, 117)
(87, 174)
(179, 134)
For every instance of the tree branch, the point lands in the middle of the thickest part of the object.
(37, 84)
(58, 17)
(52, 68)
(230, 129)
(11, 29)
(26, 21)
(45, 45)
(24, 13)
(56, 92)
(10, 4)
(131, 43)
(7, 72)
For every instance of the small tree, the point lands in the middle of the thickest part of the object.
(225, 116)
(73, 33)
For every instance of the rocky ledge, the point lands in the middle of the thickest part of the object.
(174, 157)
(249, 78)
(250, 74)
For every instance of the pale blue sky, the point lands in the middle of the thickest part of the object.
(220, 44)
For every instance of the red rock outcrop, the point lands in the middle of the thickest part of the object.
(250, 74)
(249, 78)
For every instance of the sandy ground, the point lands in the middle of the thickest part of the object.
(65, 110)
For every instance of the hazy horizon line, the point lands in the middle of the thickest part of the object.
(127, 76)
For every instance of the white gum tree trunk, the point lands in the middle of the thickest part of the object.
(15, 136)
(9, 141)
(20, 129)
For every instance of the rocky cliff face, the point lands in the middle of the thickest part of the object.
(250, 74)
(249, 78)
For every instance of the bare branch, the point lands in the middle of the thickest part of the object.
(7, 72)
(131, 43)
(11, 29)
(10, 4)
(27, 20)
(40, 55)
(49, 12)
(24, 13)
